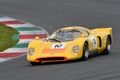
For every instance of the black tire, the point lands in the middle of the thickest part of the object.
(85, 52)
(35, 63)
(108, 46)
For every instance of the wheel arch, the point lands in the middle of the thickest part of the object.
(100, 41)
(87, 43)
(109, 36)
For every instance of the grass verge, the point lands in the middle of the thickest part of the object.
(8, 37)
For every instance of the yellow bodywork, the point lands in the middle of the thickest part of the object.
(43, 50)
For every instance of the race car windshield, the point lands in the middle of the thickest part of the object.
(64, 35)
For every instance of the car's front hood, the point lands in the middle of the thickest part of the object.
(55, 47)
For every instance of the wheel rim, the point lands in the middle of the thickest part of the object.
(86, 54)
(108, 47)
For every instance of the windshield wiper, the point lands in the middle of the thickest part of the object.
(54, 39)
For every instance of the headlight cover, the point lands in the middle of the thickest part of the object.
(76, 49)
(31, 51)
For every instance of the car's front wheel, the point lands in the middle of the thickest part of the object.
(85, 52)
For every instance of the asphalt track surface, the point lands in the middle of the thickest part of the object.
(54, 14)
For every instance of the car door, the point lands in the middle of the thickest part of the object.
(93, 43)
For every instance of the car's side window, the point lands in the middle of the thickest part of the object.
(83, 31)
(86, 33)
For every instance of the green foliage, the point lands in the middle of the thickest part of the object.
(6, 37)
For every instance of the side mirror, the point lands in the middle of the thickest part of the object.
(83, 35)
(37, 38)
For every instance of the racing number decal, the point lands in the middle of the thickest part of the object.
(58, 46)
(93, 41)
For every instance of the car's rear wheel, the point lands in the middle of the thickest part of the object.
(35, 63)
(85, 52)
(108, 46)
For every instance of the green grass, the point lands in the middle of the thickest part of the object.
(8, 37)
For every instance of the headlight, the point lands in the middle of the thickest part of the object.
(76, 49)
(31, 51)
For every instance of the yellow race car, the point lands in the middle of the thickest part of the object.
(70, 43)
